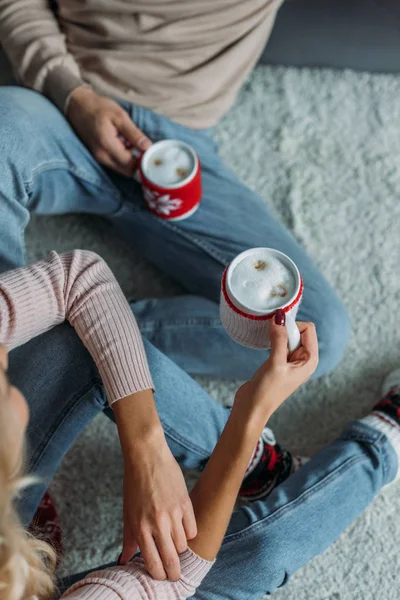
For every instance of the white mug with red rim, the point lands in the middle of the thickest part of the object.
(250, 327)
(178, 196)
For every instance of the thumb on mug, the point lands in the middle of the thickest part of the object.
(278, 337)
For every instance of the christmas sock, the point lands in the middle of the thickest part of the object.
(268, 467)
(46, 525)
(386, 414)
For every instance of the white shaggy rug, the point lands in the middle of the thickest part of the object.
(323, 148)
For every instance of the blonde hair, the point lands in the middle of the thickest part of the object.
(26, 564)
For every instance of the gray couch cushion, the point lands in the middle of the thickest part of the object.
(357, 34)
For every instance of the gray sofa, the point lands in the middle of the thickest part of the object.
(358, 34)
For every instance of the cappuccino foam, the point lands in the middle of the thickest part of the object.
(168, 165)
(262, 283)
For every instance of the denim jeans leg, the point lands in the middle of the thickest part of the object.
(268, 541)
(191, 419)
(64, 393)
(44, 168)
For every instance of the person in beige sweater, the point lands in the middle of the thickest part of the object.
(96, 79)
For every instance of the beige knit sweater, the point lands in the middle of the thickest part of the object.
(185, 59)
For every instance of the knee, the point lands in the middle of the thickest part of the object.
(15, 98)
(22, 112)
(271, 557)
(333, 329)
(266, 557)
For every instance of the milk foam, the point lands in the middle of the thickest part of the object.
(168, 165)
(262, 283)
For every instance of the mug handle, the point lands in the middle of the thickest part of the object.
(137, 154)
(293, 333)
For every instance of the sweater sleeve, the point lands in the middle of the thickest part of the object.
(79, 287)
(36, 47)
(132, 582)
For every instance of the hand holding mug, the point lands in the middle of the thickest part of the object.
(106, 129)
(254, 286)
(170, 175)
(168, 171)
(283, 373)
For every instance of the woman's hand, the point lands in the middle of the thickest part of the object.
(282, 373)
(215, 493)
(106, 129)
(158, 513)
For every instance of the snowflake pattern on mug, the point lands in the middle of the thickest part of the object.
(161, 203)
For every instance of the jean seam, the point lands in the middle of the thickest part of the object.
(251, 529)
(78, 173)
(381, 442)
(376, 438)
(71, 407)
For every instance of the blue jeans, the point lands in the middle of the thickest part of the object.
(45, 169)
(272, 538)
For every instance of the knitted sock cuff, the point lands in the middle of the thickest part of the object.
(266, 438)
(390, 428)
(255, 459)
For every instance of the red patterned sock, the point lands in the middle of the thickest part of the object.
(385, 416)
(268, 467)
(390, 405)
(46, 525)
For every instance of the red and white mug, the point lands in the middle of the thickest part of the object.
(170, 175)
(248, 326)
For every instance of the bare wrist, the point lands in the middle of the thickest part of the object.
(78, 95)
(138, 423)
(252, 412)
(81, 92)
(150, 440)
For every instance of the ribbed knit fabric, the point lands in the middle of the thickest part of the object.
(132, 582)
(79, 287)
(385, 416)
(247, 331)
(389, 427)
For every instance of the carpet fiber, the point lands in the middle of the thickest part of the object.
(323, 148)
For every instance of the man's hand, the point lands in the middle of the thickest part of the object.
(158, 514)
(106, 130)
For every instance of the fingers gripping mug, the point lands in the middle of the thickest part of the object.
(255, 284)
(169, 173)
